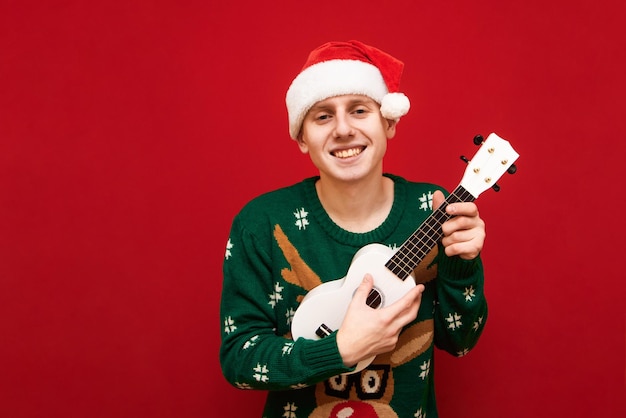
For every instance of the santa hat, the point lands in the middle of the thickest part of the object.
(352, 67)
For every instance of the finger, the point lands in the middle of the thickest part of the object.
(362, 292)
(459, 237)
(459, 223)
(407, 301)
(415, 294)
(463, 251)
(466, 245)
(408, 307)
(463, 208)
(438, 199)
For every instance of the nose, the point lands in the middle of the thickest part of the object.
(343, 126)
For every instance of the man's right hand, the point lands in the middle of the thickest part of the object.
(367, 332)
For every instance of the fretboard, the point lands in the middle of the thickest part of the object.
(422, 241)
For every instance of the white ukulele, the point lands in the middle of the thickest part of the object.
(323, 309)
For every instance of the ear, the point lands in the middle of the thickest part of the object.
(391, 127)
(301, 144)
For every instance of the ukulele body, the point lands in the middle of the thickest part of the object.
(326, 305)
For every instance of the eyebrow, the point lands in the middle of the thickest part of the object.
(352, 102)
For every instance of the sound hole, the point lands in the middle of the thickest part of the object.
(374, 299)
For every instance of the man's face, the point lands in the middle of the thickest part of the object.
(346, 137)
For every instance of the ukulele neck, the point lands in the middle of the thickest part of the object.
(422, 241)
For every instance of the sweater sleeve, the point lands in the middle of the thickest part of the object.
(461, 306)
(252, 355)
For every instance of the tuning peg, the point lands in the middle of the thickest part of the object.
(478, 139)
(464, 158)
(512, 169)
(495, 187)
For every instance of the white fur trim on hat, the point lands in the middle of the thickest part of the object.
(335, 78)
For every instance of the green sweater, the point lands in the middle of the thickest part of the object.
(283, 244)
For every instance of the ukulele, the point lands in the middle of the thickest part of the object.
(323, 309)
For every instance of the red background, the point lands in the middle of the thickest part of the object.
(132, 132)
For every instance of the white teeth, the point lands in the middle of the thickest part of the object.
(348, 153)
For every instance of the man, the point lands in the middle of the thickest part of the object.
(343, 108)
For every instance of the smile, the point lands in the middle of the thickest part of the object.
(347, 153)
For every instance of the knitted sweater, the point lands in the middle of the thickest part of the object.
(283, 244)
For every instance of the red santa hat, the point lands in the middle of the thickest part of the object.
(352, 67)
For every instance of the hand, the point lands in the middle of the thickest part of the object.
(464, 234)
(367, 332)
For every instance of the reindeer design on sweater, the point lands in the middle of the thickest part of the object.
(368, 392)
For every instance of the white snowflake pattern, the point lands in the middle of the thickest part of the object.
(251, 342)
(229, 325)
(276, 296)
(287, 348)
(301, 220)
(289, 315)
(290, 410)
(454, 321)
(229, 246)
(462, 352)
(477, 324)
(425, 369)
(419, 414)
(426, 201)
(261, 373)
(469, 293)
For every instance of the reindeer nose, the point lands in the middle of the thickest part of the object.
(353, 409)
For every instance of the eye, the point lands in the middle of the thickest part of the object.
(339, 386)
(371, 382)
(321, 116)
(360, 110)
(338, 383)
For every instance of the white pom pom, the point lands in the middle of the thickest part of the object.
(394, 105)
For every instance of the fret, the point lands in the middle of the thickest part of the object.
(422, 241)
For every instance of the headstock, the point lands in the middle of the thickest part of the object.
(494, 158)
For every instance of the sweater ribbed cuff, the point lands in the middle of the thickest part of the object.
(457, 268)
(322, 356)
